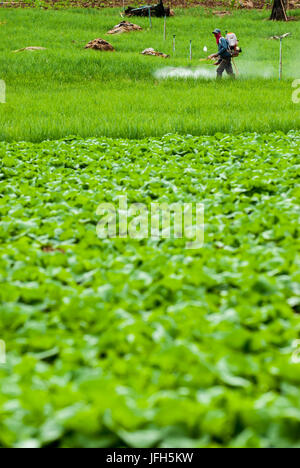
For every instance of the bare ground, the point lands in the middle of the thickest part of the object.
(209, 4)
(212, 4)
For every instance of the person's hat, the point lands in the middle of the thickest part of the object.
(217, 31)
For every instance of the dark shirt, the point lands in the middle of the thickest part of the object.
(223, 48)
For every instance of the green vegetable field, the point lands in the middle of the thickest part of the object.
(135, 343)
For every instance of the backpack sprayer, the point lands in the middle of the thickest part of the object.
(233, 49)
(233, 43)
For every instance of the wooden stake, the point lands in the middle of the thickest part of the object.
(284, 11)
(280, 60)
(236, 68)
(174, 43)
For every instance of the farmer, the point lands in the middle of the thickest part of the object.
(223, 55)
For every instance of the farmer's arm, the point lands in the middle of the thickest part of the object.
(212, 56)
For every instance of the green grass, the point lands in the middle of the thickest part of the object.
(67, 90)
(120, 342)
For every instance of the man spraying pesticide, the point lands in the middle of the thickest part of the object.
(227, 50)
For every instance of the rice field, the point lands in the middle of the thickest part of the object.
(66, 90)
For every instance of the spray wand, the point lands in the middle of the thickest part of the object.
(208, 60)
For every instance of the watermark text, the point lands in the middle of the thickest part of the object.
(2, 92)
(159, 221)
(2, 352)
(296, 93)
(296, 353)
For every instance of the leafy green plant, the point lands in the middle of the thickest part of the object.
(120, 342)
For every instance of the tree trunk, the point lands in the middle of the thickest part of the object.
(156, 10)
(279, 10)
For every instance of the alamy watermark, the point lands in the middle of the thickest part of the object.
(157, 221)
(2, 92)
(296, 93)
(2, 352)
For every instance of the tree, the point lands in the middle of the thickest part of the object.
(155, 10)
(279, 10)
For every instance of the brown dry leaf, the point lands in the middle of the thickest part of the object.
(153, 52)
(30, 49)
(100, 44)
(221, 14)
(124, 27)
(50, 249)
